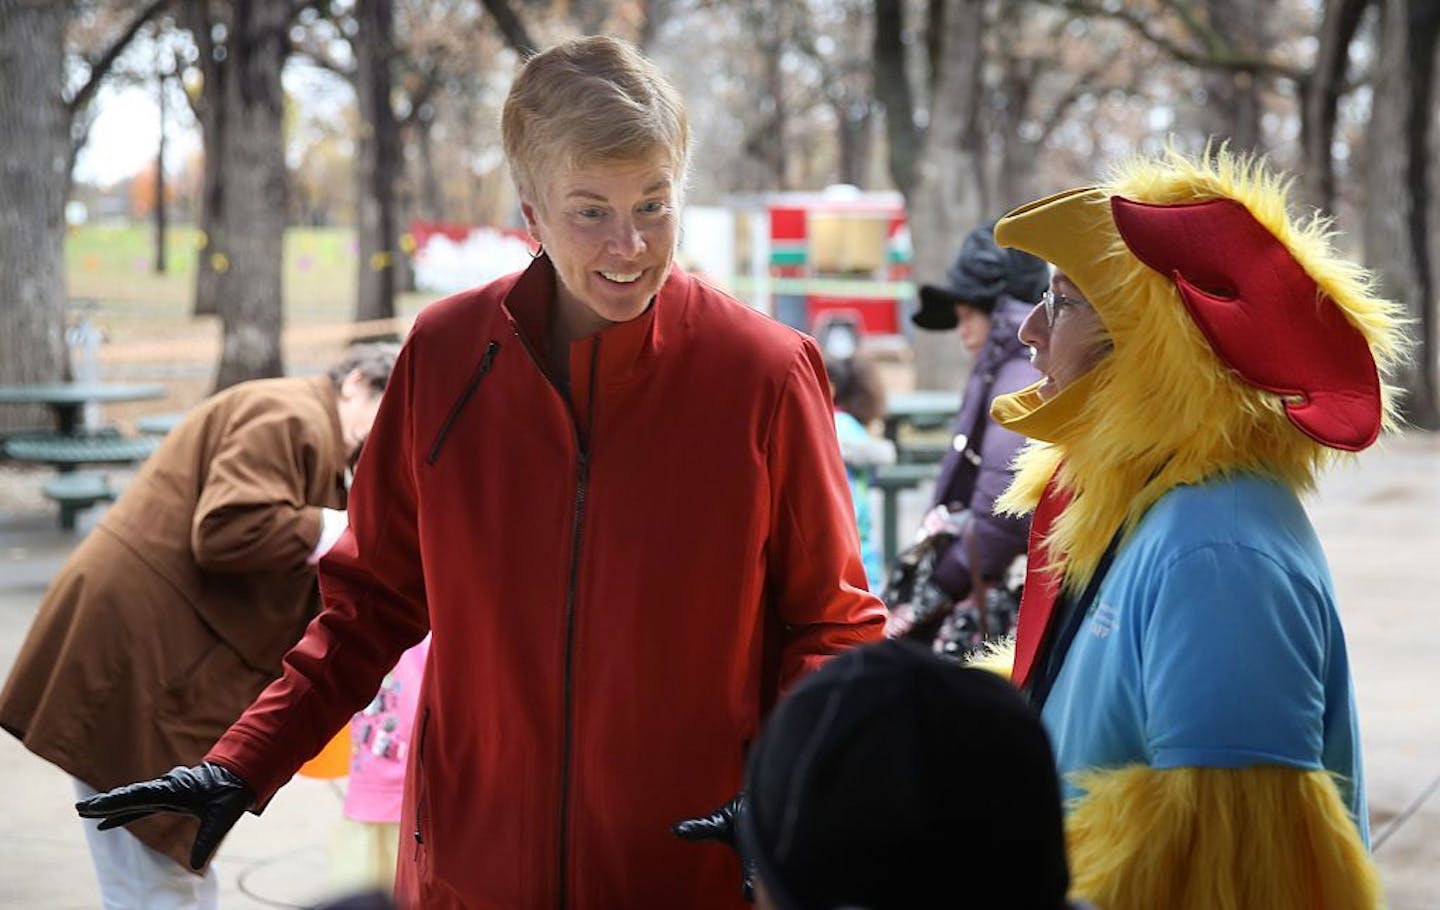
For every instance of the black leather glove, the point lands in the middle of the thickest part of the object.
(722, 826)
(211, 793)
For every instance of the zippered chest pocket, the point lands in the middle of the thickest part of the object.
(481, 370)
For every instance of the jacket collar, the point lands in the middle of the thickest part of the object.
(624, 349)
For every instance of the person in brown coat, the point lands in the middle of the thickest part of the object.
(175, 612)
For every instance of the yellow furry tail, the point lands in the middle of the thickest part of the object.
(1217, 839)
(997, 657)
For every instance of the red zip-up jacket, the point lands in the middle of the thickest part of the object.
(618, 585)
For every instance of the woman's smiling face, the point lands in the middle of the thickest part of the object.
(1065, 335)
(610, 229)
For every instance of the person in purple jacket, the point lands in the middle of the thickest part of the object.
(986, 295)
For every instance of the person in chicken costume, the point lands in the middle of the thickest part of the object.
(1205, 356)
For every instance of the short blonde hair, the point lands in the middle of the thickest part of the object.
(587, 101)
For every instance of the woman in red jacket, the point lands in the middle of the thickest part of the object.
(615, 497)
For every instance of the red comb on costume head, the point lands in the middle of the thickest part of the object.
(1262, 313)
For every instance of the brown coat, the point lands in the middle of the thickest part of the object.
(176, 611)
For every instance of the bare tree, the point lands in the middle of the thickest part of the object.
(895, 94)
(163, 75)
(1232, 97)
(245, 173)
(947, 200)
(1338, 25)
(36, 152)
(211, 262)
(1224, 41)
(937, 168)
(378, 161)
(511, 26)
(1399, 242)
(33, 159)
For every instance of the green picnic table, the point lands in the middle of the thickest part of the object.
(923, 410)
(72, 451)
(68, 399)
(74, 490)
(890, 480)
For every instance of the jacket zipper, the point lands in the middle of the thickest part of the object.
(420, 780)
(582, 472)
(582, 479)
(490, 351)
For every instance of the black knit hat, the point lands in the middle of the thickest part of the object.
(892, 779)
(981, 273)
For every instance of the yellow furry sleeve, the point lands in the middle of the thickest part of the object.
(1217, 839)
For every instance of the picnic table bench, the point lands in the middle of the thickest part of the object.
(159, 424)
(69, 452)
(890, 480)
(926, 452)
(75, 490)
(920, 410)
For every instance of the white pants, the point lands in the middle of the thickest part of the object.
(134, 877)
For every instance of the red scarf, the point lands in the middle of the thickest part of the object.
(1042, 587)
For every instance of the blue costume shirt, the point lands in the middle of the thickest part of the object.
(1213, 642)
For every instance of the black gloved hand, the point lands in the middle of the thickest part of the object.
(211, 793)
(722, 826)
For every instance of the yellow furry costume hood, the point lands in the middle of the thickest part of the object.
(1164, 408)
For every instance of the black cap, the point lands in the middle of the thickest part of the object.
(892, 778)
(981, 273)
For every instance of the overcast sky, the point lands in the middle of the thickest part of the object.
(126, 136)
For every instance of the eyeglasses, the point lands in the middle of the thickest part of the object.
(1053, 302)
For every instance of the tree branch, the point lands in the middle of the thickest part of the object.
(1215, 43)
(323, 59)
(422, 95)
(1217, 59)
(101, 67)
(511, 28)
(1085, 85)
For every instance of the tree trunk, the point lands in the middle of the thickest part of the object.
(1398, 206)
(893, 92)
(1321, 98)
(1015, 179)
(212, 258)
(161, 209)
(853, 119)
(946, 199)
(34, 151)
(1232, 110)
(252, 160)
(431, 205)
(378, 161)
(777, 156)
(1427, 355)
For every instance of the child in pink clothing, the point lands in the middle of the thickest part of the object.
(366, 845)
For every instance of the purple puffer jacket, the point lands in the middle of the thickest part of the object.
(997, 539)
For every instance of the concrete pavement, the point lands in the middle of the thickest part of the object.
(276, 860)
(1379, 519)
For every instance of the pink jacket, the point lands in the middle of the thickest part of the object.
(380, 739)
